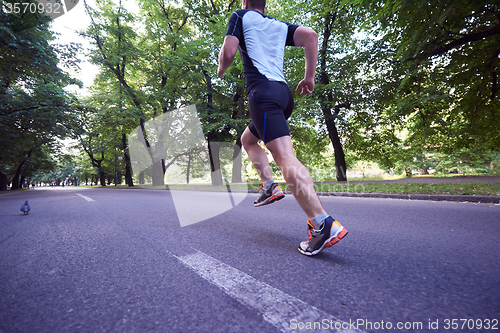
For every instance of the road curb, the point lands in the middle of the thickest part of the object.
(413, 196)
(418, 196)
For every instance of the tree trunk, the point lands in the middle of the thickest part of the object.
(408, 173)
(239, 113)
(102, 177)
(128, 165)
(3, 182)
(338, 151)
(214, 153)
(326, 103)
(157, 173)
(16, 179)
(237, 162)
(190, 156)
(213, 149)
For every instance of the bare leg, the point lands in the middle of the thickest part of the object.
(257, 155)
(297, 177)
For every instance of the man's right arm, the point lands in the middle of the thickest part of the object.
(307, 38)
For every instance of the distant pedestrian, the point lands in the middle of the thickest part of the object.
(261, 41)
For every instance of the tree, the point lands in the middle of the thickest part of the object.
(35, 109)
(338, 88)
(427, 78)
(221, 103)
(448, 52)
(117, 53)
(94, 138)
(169, 67)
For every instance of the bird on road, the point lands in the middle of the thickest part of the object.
(25, 208)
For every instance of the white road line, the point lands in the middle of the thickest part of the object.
(285, 312)
(84, 197)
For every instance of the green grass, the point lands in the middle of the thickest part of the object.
(409, 188)
(402, 188)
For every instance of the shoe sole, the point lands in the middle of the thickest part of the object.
(331, 241)
(270, 200)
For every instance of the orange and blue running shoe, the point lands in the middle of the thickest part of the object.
(329, 235)
(268, 196)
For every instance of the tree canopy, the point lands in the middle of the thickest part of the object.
(399, 83)
(35, 109)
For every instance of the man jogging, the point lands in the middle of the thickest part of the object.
(261, 41)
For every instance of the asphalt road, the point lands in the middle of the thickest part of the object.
(114, 260)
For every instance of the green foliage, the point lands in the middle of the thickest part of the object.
(447, 55)
(310, 144)
(409, 188)
(410, 85)
(35, 109)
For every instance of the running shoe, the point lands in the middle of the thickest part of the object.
(330, 234)
(274, 193)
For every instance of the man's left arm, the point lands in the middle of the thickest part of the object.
(227, 54)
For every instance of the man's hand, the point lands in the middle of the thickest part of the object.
(306, 86)
(220, 72)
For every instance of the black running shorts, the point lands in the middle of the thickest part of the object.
(270, 104)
